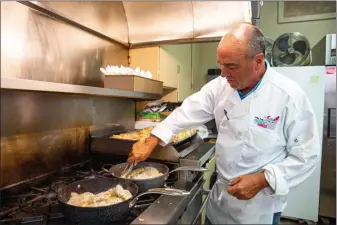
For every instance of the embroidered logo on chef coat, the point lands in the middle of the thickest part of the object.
(268, 122)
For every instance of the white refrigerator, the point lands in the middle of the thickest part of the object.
(303, 200)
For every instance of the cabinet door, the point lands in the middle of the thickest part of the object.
(175, 68)
(146, 59)
(168, 67)
(183, 57)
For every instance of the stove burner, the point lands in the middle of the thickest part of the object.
(38, 204)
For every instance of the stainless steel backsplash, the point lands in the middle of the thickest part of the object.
(43, 132)
(38, 47)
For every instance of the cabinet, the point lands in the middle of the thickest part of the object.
(146, 59)
(170, 64)
(168, 68)
(183, 59)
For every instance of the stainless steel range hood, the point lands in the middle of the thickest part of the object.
(138, 23)
(182, 21)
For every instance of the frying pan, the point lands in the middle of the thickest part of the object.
(146, 184)
(104, 214)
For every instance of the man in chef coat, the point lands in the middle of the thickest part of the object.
(267, 134)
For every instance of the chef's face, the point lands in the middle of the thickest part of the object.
(241, 71)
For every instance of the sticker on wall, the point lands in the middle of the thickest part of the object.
(314, 79)
(331, 70)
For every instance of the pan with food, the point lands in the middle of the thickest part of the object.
(147, 175)
(142, 134)
(103, 200)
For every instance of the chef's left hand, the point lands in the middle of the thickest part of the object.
(247, 186)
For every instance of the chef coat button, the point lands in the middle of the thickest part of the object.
(239, 133)
(223, 124)
(296, 140)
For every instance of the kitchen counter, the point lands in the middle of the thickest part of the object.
(168, 209)
(212, 136)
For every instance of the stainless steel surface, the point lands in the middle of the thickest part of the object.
(103, 145)
(166, 21)
(42, 86)
(196, 142)
(147, 22)
(327, 204)
(191, 211)
(161, 191)
(203, 207)
(44, 125)
(158, 21)
(33, 113)
(212, 136)
(168, 209)
(208, 17)
(26, 156)
(43, 132)
(256, 11)
(176, 41)
(169, 153)
(187, 168)
(199, 156)
(43, 8)
(105, 17)
(35, 46)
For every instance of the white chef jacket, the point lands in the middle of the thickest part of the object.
(272, 129)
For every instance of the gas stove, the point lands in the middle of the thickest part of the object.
(35, 202)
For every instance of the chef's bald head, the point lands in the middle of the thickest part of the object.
(246, 36)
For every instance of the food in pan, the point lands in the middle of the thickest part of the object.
(146, 172)
(136, 135)
(146, 132)
(110, 197)
(184, 134)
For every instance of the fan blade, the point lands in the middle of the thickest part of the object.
(288, 59)
(282, 43)
(283, 54)
(300, 46)
(291, 40)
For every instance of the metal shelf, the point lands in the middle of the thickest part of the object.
(42, 86)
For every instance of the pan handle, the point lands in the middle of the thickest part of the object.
(189, 168)
(105, 169)
(162, 191)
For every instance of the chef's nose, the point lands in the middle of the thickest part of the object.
(224, 71)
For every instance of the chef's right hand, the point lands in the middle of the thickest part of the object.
(141, 150)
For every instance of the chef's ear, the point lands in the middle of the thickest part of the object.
(259, 60)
